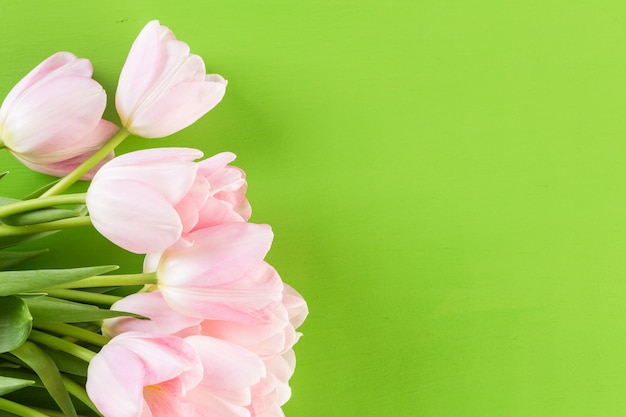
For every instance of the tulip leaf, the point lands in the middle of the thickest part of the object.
(15, 323)
(39, 216)
(14, 282)
(54, 309)
(68, 363)
(9, 259)
(38, 192)
(13, 384)
(8, 241)
(43, 365)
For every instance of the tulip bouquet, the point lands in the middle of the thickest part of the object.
(207, 328)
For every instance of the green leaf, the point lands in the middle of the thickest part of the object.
(38, 192)
(3, 174)
(8, 241)
(43, 215)
(15, 323)
(47, 370)
(12, 384)
(13, 282)
(68, 363)
(39, 216)
(9, 259)
(55, 309)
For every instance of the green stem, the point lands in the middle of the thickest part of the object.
(84, 297)
(19, 409)
(71, 223)
(111, 281)
(62, 345)
(38, 203)
(91, 162)
(73, 331)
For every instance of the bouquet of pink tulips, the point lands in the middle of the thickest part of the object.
(207, 328)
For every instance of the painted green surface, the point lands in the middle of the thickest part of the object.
(445, 179)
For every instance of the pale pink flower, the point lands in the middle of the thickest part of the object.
(163, 88)
(273, 391)
(274, 337)
(146, 201)
(136, 375)
(52, 119)
(222, 276)
(271, 341)
(230, 372)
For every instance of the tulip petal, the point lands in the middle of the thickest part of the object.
(132, 361)
(61, 63)
(213, 164)
(226, 365)
(178, 107)
(243, 301)
(163, 320)
(220, 255)
(103, 132)
(146, 64)
(168, 171)
(66, 109)
(137, 219)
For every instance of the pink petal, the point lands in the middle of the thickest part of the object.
(104, 131)
(132, 361)
(162, 319)
(226, 365)
(133, 216)
(267, 339)
(156, 155)
(213, 164)
(178, 107)
(243, 301)
(215, 212)
(65, 109)
(50, 67)
(220, 255)
(296, 306)
(161, 403)
(188, 208)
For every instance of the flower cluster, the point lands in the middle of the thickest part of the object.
(211, 330)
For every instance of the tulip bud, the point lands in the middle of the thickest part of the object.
(52, 119)
(163, 88)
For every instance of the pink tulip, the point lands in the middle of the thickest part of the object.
(268, 339)
(52, 119)
(222, 276)
(136, 375)
(145, 201)
(163, 88)
(230, 372)
(163, 321)
(275, 336)
(273, 391)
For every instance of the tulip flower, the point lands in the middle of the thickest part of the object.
(230, 372)
(145, 201)
(52, 119)
(273, 391)
(163, 88)
(222, 276)
(272, 338)
(138, 375)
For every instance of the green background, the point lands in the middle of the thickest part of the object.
(445, 180)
